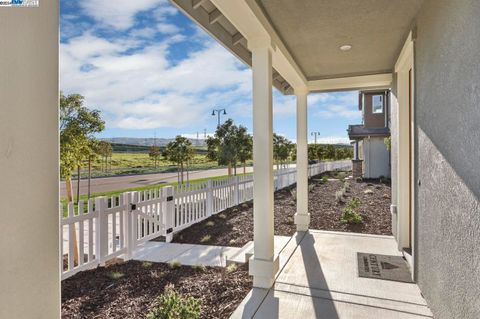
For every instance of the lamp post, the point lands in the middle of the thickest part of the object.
(218, 112)
(315, 134)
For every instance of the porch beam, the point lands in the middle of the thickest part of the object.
(236, 38)
(361, 82)
(214, 16)
(197, 3)
(302, 217)
(263, 265)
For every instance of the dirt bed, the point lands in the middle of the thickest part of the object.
(130, 290)
(234, 226)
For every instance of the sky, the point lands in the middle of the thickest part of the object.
(153, 72)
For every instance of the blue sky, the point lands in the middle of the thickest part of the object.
(150, 70)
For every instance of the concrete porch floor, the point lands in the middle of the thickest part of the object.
(318, 278)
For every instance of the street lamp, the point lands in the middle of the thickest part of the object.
(218, 112)
(315, 134)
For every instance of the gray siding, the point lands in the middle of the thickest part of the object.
(447, 111)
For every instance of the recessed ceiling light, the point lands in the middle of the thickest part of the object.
(346, 47)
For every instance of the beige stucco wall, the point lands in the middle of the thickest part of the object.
(29, 267)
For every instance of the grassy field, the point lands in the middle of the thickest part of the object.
(141, 163)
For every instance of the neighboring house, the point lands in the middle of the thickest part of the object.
(371, 156)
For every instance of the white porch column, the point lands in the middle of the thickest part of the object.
(263, 264)
(302, 217)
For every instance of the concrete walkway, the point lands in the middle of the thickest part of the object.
(188, 254)
(318, 278)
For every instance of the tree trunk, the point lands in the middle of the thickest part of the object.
(69, 187)
(244, 168)
(89, 175)
(235, 169)
(229, 169)
(181, 173)
(188, 176)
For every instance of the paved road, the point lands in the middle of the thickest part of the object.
(107, 184)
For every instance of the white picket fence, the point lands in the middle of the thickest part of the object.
(126, 221)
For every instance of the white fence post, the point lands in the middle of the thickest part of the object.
(236, 190)
(134, 200)
(168, 212)
(209, 198)
(101, 230)
(128, 220)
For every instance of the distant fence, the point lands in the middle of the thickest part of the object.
(128, 220)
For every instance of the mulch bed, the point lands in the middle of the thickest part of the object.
(130, 290)
(97, 294)
(234, 226)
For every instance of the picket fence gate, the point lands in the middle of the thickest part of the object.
(127, 220)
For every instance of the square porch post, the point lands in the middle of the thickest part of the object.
(263, 264)
(302, 217)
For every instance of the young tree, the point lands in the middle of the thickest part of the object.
(281, 149)
(77, 125)
(229, 145)
(180, 151)
(105, 150)
(245, 144)
(155, 154)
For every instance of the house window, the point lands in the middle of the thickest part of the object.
(377, 104)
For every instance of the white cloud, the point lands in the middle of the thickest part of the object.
(120, 14)
(338, 110)
(137, 87)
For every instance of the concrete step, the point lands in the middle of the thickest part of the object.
(242, 256)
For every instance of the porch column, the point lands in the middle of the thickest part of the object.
(302, 217)
(263, 264)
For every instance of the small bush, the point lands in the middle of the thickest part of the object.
(368, 191)
(350, 216)
(311, 187)
(210, 223)
(116, 275)
(174, 264)
(324, 179)
(355, 203)
(231, 268)
(346, 187)
(359, 179)
(232, 242)
(222, 215)
(172, 305)
(199, 267)
(147, 264)
(339, 196)
(341, 176)
(205, 238)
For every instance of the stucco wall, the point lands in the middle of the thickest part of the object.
(393, 150)
(29, 213)
(447, 111)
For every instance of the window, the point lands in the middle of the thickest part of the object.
(377, 104)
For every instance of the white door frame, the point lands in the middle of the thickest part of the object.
(405, 149)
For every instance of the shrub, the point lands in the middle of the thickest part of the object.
(324, 179)
(355, 203)
(222, 215)
(172, 305)
(339, 196)
(359, 179)
(311, 187)
(346, 187)
(174, 264)
(147, 264)
(210, 223)
(116, 275)
(199, 267)
(350, 216)
(341, 176)
(231, 268)
(232, 242)
(368, 191)
(205, 238)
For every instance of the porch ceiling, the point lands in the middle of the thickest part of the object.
(314, 30)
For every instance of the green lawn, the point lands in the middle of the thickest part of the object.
(141, 163)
